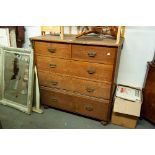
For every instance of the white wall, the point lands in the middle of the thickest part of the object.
(31, 31)
(139, 47)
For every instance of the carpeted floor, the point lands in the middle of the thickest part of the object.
(54, 119)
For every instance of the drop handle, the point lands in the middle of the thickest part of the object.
(90, 90)
(91, 71)
(89, 108)
(54, 83)
(91, 54)
(52, 65)
(52, 50)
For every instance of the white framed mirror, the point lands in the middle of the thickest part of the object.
(17, 73)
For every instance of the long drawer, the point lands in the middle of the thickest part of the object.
(87, 70)
(86, 87)
(53, 49)
(104, 55)
(76, 104)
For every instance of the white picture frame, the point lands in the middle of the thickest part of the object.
(28, 53)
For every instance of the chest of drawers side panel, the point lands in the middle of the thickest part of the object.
(114, 78)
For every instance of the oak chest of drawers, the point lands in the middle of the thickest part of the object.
(77, 75)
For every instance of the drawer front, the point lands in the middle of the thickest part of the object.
(92, 71)
(53, 65)
(76, 104)
(89, 88)
(53, 49)
(104, 55)
(76, 68)
(56, 100)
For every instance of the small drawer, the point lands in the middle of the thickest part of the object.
(104, 55)
(92, 71)
(53, 49)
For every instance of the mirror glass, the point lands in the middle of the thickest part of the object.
(16, 77)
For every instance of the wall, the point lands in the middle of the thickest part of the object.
(139, 47)
(31, 31)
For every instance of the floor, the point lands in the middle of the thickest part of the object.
(54, 119)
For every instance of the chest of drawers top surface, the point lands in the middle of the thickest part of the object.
(87, 40)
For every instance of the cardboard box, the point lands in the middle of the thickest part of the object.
(127, 107)
(126, 110)
(124, 120)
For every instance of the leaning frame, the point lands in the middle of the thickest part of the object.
(24, 52)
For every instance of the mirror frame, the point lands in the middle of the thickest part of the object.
(28, 52)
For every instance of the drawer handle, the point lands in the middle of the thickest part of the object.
(52, 50)
(89, 108)
(54, 100)
(54, 83)
(90, 90)
(91, 70)
(52, 65)
(91, 54)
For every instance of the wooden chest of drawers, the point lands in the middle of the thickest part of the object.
(77, 75)
(148, 105)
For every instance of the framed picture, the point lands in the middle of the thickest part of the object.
(16, 73)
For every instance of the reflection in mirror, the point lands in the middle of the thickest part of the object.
(16, 77)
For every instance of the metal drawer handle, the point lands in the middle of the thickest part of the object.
(52, 50)
(91, 54)
(54, 100)
(89, 108)
(54, 83)
(91, 70)
(52, 65)
(90, 90)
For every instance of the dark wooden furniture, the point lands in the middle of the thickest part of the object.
(77, 75)
(148, 106)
